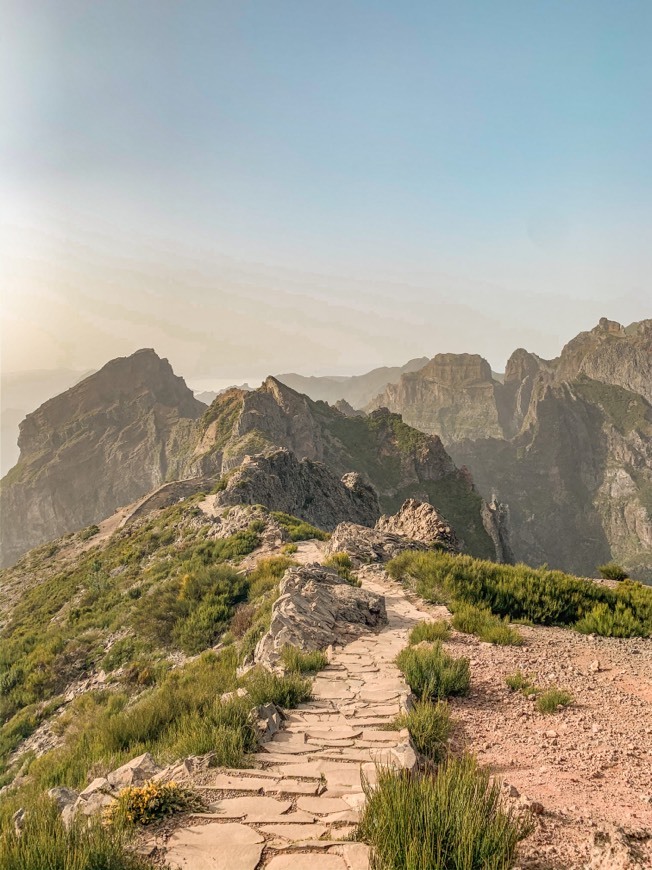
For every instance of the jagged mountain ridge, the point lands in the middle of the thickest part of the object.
(134, 425)
(357, 390)
(565, 443)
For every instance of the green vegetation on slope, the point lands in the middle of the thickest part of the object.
(519, 592)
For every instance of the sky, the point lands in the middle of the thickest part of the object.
(269, 186)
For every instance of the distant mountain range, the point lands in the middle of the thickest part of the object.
(134, 425)
(357, 390)
(561, 449)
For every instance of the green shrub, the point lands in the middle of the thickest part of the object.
(264, 686)
(429, 726)
(153, 801)
(481, 622)
(88, 533)
(298, 530)
(296, 661)
(542, 596)
(342, 563)
(449, 820)
(550, 700)
(288, 549)
(429, 631)
(46, 844)
(432, 674)
(520, 682)
(613, 571)
(619, 621)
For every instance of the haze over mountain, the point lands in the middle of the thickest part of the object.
(565, 443)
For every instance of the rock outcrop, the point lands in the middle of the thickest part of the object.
(315, 609)
(303, 488)
(420, 521)
(365, 546)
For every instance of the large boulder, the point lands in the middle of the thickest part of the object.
(420, 521)
(315, 609)
(365, 546)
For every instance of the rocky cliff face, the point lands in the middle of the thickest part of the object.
(103, 443)
(127, 429)
(357, 390)
(453, 396)
(302, 488)
(565, 443)
(395, 458)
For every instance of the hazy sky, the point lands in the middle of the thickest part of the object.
(320, 185)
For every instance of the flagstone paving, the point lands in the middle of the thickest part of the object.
(297, 810)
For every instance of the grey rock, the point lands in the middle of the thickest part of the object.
(366, 546)
(63, 796)
(303, 488)
(134, 772)
(420, 521)
(316, 608)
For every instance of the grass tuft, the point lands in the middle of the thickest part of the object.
(46, 844)
(433, 674)
(429, 726)
(481, 622)
(296, 661)
(448, 820)
(429, 631)
(552, 699)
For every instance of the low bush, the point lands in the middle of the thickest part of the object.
(481, 622)
(429, 726)
(551, 700)
(44, 843)
(88, 532)
(520, 682)
(429, 631)
(297, 661)
(432, 674)
(612, 571)
(264, 687)
(448, 820)
(342, 563)
(542, 596)
(619, 621)
(297, 529)
(145, 804)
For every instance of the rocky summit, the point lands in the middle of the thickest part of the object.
(564, 444)
(103, 443)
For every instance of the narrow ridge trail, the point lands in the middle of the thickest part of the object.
(297, 810)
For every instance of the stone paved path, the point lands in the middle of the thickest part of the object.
(296, 808)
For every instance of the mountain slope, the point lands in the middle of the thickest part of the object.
(103, 443)
(565, 443)
(134, 425)
(395, 458)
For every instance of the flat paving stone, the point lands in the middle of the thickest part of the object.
(301, 862)
(215, 846)
(241, 807)
(223, 782)
(322, 805)
(311, 831)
